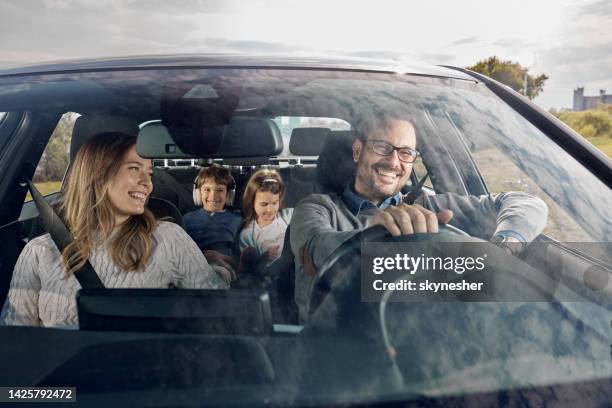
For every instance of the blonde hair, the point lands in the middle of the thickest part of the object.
(264, 180)
(88, 212)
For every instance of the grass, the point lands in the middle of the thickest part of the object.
(603, 143)
(46, 187)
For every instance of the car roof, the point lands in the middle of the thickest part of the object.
(234, 61)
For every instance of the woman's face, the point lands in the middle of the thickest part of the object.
(130, 187)
(266, 206)
(213, 195)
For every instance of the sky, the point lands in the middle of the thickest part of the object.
(568, 40)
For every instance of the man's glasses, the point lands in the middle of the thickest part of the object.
(405, 154)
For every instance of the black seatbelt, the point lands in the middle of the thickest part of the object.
(87, 276)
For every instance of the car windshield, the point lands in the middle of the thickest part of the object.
(315, 332)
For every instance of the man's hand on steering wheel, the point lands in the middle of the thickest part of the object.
(407, 219)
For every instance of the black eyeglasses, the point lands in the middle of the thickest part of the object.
(405, 154)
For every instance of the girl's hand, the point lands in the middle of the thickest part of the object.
(272, 253)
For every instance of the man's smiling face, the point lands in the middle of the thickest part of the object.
(379, 177)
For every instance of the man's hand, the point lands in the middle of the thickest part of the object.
(407, 219)
(217, 257)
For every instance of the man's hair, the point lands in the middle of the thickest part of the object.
(364, 126)
(88, 211)
(219, 174)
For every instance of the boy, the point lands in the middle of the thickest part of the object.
(212, 227)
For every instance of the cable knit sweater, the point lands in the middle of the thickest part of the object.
(42, 294)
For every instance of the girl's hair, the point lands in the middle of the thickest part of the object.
(88, 212)
(264, 180)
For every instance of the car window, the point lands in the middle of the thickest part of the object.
(286, 124)
(54, 161)
(250, 345)
(501, 174)
(511, 154)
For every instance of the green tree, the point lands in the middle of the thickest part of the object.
(54, 160)
(512, 74)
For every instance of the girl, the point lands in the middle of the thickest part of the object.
(263, 235)
(103, 206)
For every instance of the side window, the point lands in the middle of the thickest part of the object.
(501, 174)
(54, 161)
(419, 169)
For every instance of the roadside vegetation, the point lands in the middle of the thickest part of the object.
(594, 124)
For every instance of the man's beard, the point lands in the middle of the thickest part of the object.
(368, 179)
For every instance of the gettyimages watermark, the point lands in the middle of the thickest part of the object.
(483, 272)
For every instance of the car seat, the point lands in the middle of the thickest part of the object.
(300, 178)
(166, 211)
(335, 168)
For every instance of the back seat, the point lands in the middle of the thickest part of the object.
(299, 175)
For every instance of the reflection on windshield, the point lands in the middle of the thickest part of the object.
(470, 144)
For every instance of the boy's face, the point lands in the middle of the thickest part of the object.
(213, 195)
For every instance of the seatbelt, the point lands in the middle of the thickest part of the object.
(87, 276)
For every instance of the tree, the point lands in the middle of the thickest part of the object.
(512, 74)
(54, 160)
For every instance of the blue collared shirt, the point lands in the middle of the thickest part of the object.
(357, 204)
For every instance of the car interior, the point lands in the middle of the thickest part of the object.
(182, 128)
(256, 142)
(245, 120)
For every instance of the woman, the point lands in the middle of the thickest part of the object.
(104, 208)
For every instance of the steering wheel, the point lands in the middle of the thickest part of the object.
(337, 274)
(330, 269)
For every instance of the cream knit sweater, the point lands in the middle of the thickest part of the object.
(42, 295)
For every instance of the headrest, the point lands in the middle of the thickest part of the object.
(247, 161)
(335, 165)
(308, 141)
(90, 125)
(251, 137)
(242, 137)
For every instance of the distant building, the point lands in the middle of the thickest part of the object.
(582, 102)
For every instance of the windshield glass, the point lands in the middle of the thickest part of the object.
(295, 186)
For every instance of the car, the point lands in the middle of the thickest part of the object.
(543, 338)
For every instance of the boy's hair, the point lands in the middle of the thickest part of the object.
(264, 180)
(219, 174)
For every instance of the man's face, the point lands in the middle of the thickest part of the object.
(213, 195)
(379, 177)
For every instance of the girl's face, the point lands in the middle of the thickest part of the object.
(129, 189)
(266, 207)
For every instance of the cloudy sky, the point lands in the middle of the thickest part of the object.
(569, 40)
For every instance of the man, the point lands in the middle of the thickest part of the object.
(384, 153)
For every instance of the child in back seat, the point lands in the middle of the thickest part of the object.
(263, 234)
(212, 226)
